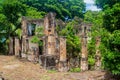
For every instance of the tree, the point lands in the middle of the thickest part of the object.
(11, 13)
(110, 34)
(63, 8)
(3, 30)
(111, 39)
(15, 10)
(102, 3)
(112, 18)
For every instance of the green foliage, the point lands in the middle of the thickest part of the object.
(91, 53)
(110, 38)
(112, 17)
(73, 41)
(75, 69)
(102, 3)
(63, 8)
(11, 12)
(10, 18)
(110, 48)
(34, 13)
(116, 37)
(39, 31)
(51, 71)
(91, 61)
(19, 32)
(105, 24)
(96, 19)
(35, 39)
(15, 10)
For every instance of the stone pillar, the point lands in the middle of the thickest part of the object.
(24, 26)
(62, 57)
(98, 55)
(84, 52)
(49, 56)
(49, 24)
(49, 31)
(62, 49)
(24, 34)
(11, 46)
(51, 45)
(17, 46)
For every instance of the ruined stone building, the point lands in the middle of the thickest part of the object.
(52, 54)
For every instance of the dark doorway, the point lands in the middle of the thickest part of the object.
(41, 47)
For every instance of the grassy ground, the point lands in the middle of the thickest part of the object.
(13, 68)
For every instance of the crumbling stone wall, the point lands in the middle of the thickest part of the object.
(54, 47)
(30, 50)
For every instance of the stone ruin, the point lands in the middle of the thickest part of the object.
(52, 55)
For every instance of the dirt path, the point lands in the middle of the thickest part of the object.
(15, 69)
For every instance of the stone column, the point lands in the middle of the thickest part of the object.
(84, 52)
(11, 46)
(17, 46)
(24, 36)
(50, 56)
(62, 49)
(49, 24)
(51, 45)
(63, 59)
(98, 55)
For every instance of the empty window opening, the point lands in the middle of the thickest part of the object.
(31, 29)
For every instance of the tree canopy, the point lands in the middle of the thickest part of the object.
(109, 32)
(63, 8)
(102, 3)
